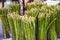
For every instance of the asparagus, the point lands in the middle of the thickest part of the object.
(11, 23)
(15, 23)
(5, 23)
(57, 23)
(15, 7)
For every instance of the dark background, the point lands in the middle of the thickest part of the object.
(17, 0)
(12, 0)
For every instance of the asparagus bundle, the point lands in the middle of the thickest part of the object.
(22, 26)
(43, 25)
(16, 26)
(51, 31)
(29, 28)
(43, 19)
(12, 28)
(15, 7)
(5, 23)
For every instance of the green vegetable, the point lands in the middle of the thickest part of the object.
(15, 7)
(5, 23)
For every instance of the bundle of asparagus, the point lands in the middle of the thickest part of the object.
(29, 28)
(16, 26)
(43, 25)
(51, 31)
(41, 28)
(44, 12)
(51, 10)
(11, 23)
(24, 27)
(5, 23)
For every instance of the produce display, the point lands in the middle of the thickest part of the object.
(41, 22)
